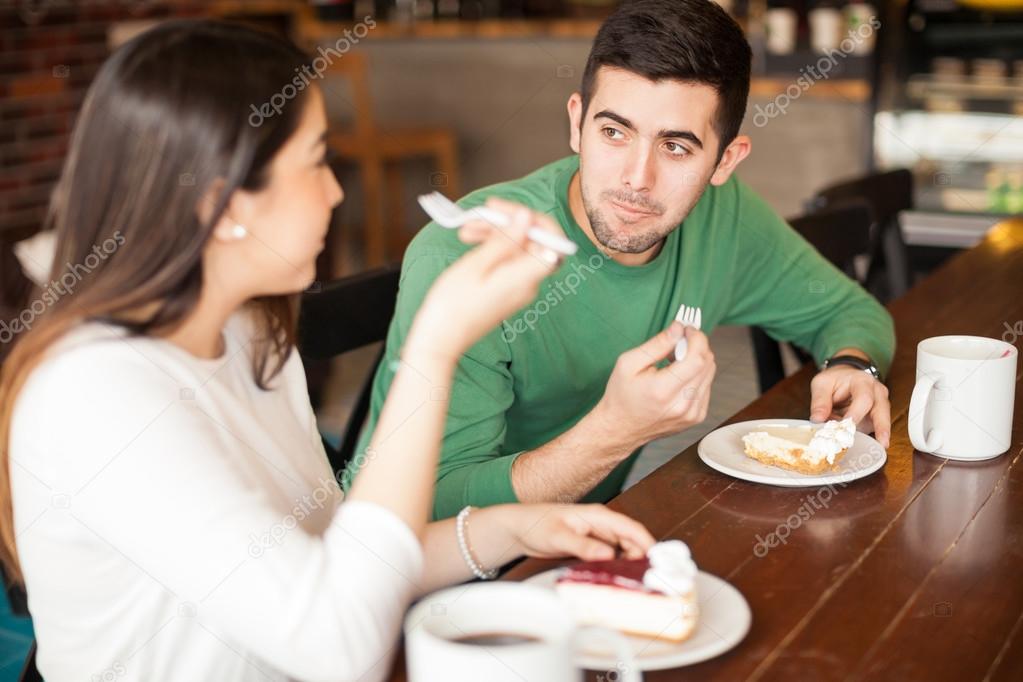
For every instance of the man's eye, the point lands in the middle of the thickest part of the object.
(611, 133)
(675, 148)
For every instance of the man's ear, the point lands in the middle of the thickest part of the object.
(735, 152)
(575, 118)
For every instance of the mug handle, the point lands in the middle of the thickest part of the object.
(917, 407)
(627, 669)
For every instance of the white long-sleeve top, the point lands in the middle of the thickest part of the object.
(175, 522)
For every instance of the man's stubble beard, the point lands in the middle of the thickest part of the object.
(633, 243)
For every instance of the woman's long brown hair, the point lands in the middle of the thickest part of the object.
(168, 115)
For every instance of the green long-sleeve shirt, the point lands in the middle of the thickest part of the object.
(546, 366)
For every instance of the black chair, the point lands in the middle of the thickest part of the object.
(840, 234)
(342, 316)
(887, 194)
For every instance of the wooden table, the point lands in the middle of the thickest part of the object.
(913, 573)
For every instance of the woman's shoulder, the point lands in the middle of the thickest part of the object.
(90, 362)
(98, 366)
(91, 394)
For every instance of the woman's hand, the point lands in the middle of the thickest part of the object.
(591, 532)
(485, 285)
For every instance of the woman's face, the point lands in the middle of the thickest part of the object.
(286, 222)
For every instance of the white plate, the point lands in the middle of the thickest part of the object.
(723, 450)
(724, 620)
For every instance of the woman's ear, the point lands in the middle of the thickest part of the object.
(208, 201)
(227, 228)
(229, 231)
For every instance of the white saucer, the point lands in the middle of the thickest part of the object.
(723, 450)
(723, 622)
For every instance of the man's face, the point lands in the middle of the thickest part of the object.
(646, 152)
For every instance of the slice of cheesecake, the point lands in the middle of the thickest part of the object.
(810, 449)
(651, 597)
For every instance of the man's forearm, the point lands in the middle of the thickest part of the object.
(571, 465)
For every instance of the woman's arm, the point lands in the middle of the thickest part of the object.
(469, 299)
(503, 533)
(401, 460)
(492, 546)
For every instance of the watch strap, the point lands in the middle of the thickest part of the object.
(853, 361)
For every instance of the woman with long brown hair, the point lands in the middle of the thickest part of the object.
(164, 494)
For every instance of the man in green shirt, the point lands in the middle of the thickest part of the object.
(556, 403)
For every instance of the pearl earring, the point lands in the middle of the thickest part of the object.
(238, 231)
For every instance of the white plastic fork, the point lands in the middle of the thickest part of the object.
(689, 316)
(449, 214)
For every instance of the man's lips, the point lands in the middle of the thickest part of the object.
(631, 210)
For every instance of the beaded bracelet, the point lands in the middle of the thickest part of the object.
(463, 545)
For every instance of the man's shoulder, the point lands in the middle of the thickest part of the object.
(737, 204)
(735, 192)
(537, 189)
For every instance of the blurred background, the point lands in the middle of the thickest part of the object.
(913, 106)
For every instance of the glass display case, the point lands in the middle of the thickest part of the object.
(948, 103)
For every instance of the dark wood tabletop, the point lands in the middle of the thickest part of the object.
(913, 573)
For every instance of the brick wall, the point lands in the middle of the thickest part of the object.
(49, 52)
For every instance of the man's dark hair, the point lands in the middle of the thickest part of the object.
(694, 41)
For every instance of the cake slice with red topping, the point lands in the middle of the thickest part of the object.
(650, 597)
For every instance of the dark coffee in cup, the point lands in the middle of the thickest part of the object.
(496, 639)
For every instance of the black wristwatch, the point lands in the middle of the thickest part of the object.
(853, 361)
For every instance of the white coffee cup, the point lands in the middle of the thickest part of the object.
(962, 403)
(826, 24)
(781, 30)
(439, 631)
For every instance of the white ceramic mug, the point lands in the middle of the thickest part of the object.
(962, 402)
(545, 639)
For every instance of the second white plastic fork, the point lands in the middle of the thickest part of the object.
(449, 214)
(689, 316)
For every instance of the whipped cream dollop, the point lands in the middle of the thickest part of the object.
(832, 438)
(672, 569)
